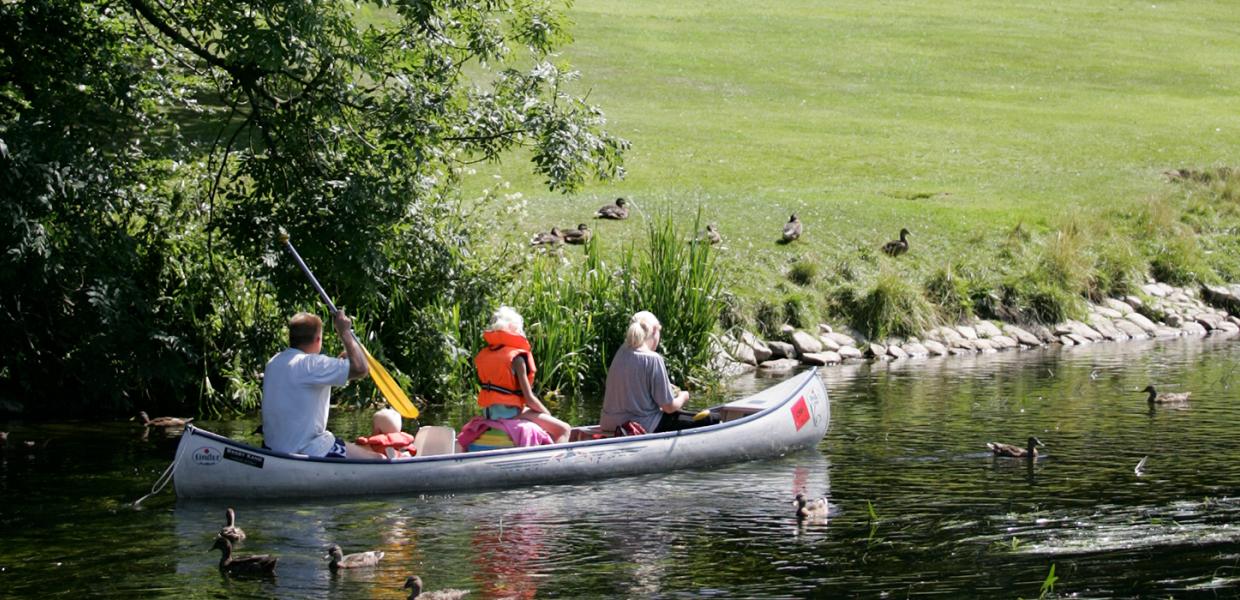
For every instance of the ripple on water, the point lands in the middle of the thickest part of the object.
(918, 506)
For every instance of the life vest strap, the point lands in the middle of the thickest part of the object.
(501, 389)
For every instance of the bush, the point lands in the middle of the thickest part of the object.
(950, 293)
(798, 309)
(892, 307)
(1178, 260)
(1119, 270)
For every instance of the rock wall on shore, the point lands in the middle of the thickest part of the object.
(1161, 311)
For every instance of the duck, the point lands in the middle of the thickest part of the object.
(710, 236)
(580, 235)
(259, 564)
(549, 238)
(163, 421)
(811, 511)
(792, 229)
(897, 247)
(1165, 398)
(357, 560)
(618, 211)
(413, 583)
(1009, 450)
(230, 531)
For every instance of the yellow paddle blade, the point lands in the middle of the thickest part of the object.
(387, 386)
(702, 414)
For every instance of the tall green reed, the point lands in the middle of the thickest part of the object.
(576, 314)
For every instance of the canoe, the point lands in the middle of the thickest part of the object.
(790, 416)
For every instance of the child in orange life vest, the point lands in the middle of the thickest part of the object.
(506, 373)
(386, 435)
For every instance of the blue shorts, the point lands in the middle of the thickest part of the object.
(501, 411)
(337, 450)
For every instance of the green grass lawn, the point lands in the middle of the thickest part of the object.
(956, 119)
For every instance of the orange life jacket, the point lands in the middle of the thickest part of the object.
(494, 363)
(397, 441)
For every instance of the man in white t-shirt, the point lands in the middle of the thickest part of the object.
(297, 389)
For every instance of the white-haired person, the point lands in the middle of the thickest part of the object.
(506, 371)
(638, 388)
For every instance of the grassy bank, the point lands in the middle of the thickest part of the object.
(1023, 145)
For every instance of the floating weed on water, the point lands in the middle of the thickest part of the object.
(869, 507)
(1011, 545)
(1048, 585)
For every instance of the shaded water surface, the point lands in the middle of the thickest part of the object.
(919, 508)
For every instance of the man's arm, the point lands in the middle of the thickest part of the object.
(353, 350)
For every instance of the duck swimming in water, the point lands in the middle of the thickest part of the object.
(813, 512)
(260, 564)
(230, 531)
(357, 560)
(1164, 398)
(413, 583)
(163, 421)
(1013, 451)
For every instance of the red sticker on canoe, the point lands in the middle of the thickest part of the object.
(800, 413)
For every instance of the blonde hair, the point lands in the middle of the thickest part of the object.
(386, 421)
(507, 319)
(641, 328)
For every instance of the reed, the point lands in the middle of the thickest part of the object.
(682, 285)
(576, 316)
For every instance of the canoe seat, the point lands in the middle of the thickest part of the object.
(432, 440)
(586, 433)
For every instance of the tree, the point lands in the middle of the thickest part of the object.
(155, 148)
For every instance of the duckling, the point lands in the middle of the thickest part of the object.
(357, 560)
(580, 235)
(618, 211)
(1165, 398)
(792, 229)
(710, 236)
(414, 584)
(812, 511)
(1009, 450)
(163, 421)
(230, 531)
(550, 238)
(261, 564)
(897, 247)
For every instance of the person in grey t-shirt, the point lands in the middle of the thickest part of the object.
(637, 385)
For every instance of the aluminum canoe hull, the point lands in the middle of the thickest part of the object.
(793, 415)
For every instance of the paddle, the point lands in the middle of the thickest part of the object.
(383, 380)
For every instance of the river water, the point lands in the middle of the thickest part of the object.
(919, 509)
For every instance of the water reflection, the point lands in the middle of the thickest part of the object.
(919, 505)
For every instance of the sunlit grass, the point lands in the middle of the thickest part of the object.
(968, 124)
